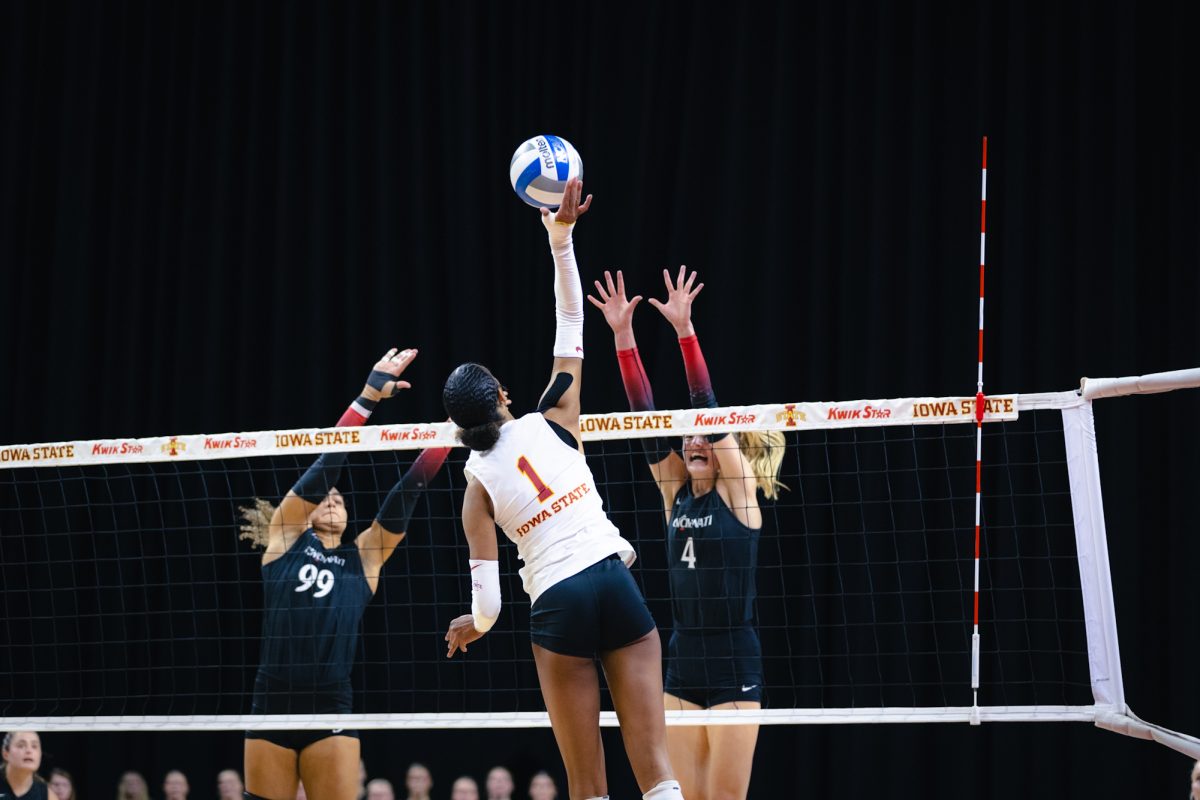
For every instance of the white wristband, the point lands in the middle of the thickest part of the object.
(485, 593)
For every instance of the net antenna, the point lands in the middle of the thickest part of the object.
(980, 405)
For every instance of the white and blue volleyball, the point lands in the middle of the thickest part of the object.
(540, 169)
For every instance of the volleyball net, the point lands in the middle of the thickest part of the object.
(130, 602)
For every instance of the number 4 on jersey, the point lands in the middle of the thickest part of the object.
(689, 553)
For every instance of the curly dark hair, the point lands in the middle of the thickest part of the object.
(471, 399)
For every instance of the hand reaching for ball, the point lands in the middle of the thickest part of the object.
(571, 209)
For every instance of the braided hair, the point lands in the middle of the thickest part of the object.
(471, 398)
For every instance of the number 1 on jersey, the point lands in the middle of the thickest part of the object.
(689, 553)
(544, 492)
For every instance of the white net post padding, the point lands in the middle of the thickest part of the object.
(1091, 541)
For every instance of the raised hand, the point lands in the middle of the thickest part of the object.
(382, 383)
(618, 312)
(571, 209)
(678, 307)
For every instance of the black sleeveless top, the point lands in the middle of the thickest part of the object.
(712, 559)
(38, 791)
(314, 600)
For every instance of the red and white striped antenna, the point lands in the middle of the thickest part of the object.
(980, 405)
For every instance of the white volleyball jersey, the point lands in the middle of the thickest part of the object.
(545, 500)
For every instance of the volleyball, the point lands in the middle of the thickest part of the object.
(540, 169)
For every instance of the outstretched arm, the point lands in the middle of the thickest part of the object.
(736, 474)
(377, 543)
(560, 400)
(291, 517)
(665, 464)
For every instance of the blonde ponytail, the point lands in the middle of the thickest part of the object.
(764, 450)
(256, 525)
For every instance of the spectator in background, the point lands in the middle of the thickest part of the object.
(418, 782)
(465, 788)
(62, 784)
(500, 784)
(22, 753)
(133, 786)
(380, 789)
(175, 786)
(542, 787)
(1195, 795)
(229, 785)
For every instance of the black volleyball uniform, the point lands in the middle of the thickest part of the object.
(40, 790)
(714, 655)
(314, 601)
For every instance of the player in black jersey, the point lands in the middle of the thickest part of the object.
(22, 752)
(710, 498)
(315, 590)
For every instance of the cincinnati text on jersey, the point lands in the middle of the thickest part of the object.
(692, 522)
(560, 502)
(317, 555)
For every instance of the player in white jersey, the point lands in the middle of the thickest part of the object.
(529, 476)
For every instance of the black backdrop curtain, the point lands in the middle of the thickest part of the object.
(213, 216)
